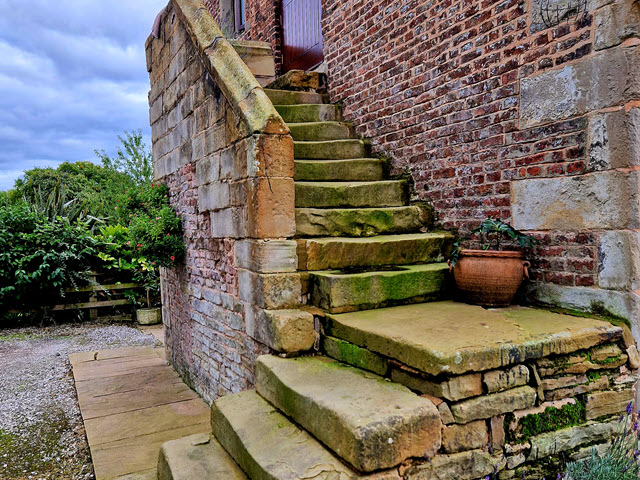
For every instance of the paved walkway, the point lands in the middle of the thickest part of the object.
(132, 402)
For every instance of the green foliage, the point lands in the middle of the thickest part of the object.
(492, 233)
(550, 420)
(132, 159)
(618, 462)
(90, 188)
(40, 257)
(154, 228)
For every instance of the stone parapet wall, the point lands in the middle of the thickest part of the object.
(227, 158)
(524, 420)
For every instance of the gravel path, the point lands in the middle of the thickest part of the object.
(41, 430)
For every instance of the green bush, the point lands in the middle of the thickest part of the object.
(40, 257)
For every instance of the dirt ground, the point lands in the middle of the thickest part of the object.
(41, 430)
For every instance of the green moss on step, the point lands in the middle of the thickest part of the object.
(353, 355)
(550, 420)
(598, 311)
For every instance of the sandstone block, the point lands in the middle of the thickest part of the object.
(609, 402)
(445, 413)
(214, 196)
(270, 208)
(553, 443)
(604, 200)
(353, 355)
(369, 422)
(271, 256)
(613, 139)
(634, 357)
(330, 150)
(615, 23)
(498, 435)
(455, 388)
(564, 382)
(470, 436)
(271, 291)
(461, 466)
(494, 404)
(619, 260)
(228, 223)
(500, 380)
(208, 170)
(387, 193)
(570, 392)
(288, 331)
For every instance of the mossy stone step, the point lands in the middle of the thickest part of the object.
(309, 113)
(362, 222)
(197, 457)
(391, 193)
(329, 150)
(314, 131)
(267, 445)
(300, 80)
(455, 338)
(356, 169)
(288, 97)
(341, 252)
(341, 291)
(366, 420)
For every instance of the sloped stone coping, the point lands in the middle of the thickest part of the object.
(232, 75)
(455, 338)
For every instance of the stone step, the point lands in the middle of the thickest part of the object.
(341, 252)
(301, 80)
(329, 150)
(362, 222)
(197, 457)
(267, 445)
(288, 97)
(455, 338)
(309, 113)
(356, 169)
(314, 131)
(369, 422)
(390, 193)
(344, 290)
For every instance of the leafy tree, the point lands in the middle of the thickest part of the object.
(132, 159)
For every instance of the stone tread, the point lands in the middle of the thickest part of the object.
(368, 421)
(329, 149)
(267, 445)
(197, 457)
(309, 113)
(315, 131)
(343, 291)
(339, 252)
(362, 222)
(455, 338)
(386, 193)
(353, 169)
(290, 97)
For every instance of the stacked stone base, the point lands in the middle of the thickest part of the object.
(526, 420)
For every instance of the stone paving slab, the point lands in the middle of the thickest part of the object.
(132, 402)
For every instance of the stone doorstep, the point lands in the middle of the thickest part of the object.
(453, 338)
(339, 291)
(371, 423)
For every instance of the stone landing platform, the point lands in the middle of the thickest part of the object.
(132, 402)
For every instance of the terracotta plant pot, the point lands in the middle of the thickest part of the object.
(489, 278)
(149, 316)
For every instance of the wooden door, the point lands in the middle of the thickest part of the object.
(302, 34)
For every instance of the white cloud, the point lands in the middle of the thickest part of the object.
(72, 78)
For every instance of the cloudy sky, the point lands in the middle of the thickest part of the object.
(72, 78)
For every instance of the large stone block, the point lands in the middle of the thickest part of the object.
(228, 223)
(353, 355)
(592, 83)
(214, 196)
(495, 404)
(614, 139)
(619, 260)
(288, 331)
(604, 200)
(271, 256)
(460, 466)
(271, 291)
(610, 402)
(454, 388)
(458, 438)
(270, 207)
(553, 443)
(616, 22)
(269, 155)
(208, 170)
(500, 380)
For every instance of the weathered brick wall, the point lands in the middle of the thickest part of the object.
(215, 137)
(483, 103)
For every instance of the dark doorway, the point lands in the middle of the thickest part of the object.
(302, 34)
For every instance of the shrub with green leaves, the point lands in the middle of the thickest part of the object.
(40, 257)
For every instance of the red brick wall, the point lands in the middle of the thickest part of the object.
(263, 23)
(435, 86)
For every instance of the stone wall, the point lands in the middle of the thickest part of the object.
(494, 114)
(227, 158)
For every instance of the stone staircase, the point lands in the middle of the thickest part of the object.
(378, 408)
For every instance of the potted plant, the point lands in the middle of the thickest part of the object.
(491, 275)
(147, 277)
